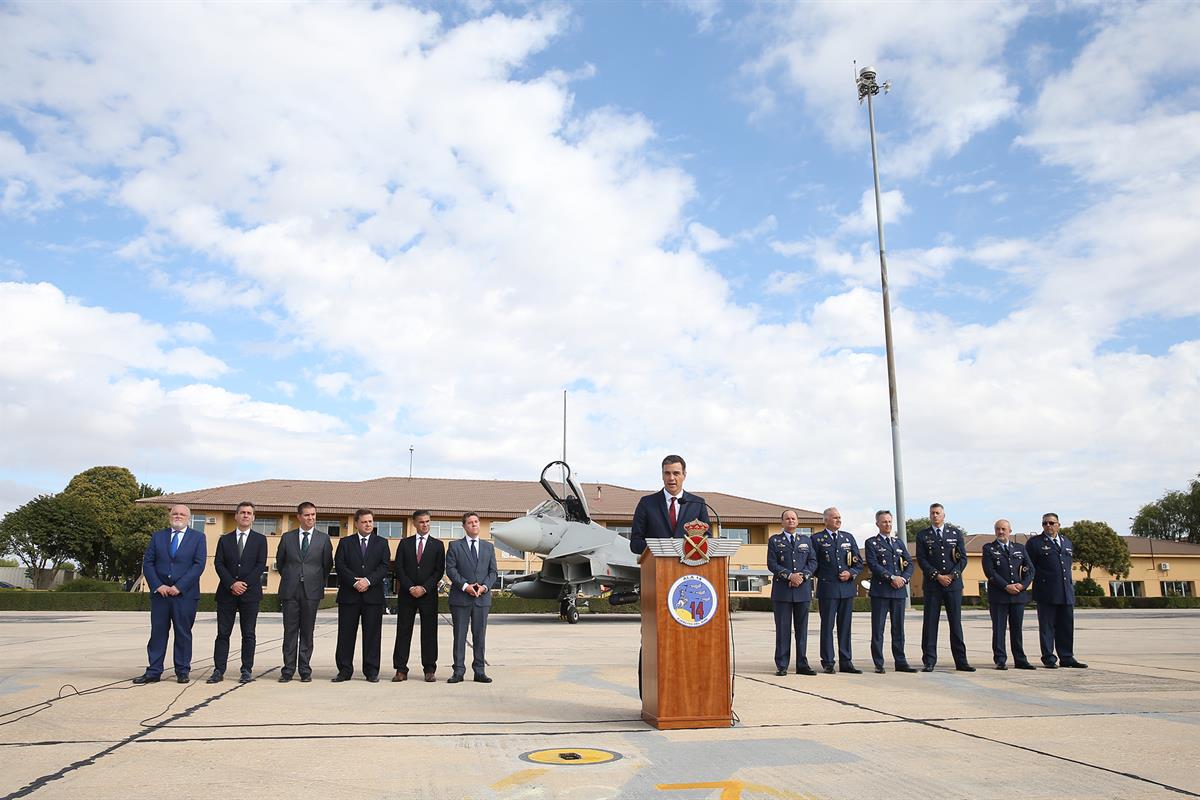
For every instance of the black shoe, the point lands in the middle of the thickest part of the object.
(373, 679)
(184, 678)
(853, 670)
(927, 668)
(1051, 666)
(905, 668)
(306, 678)
(1001, 666)
(216, 677)
(1025, 665)
(246, 678)
(805, 670)
(1076, 665)
(455, 679)
(964, 668)
(144, 679)
(781, 672)
(827, 670)
(286, 679)
(880, 670)
(481, 678)
(339, 679)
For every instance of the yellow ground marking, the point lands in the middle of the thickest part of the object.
(586, 755)
(519, 777)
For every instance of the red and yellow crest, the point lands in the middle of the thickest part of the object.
(695, 543)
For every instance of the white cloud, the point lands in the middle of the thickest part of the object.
(285, 388)
(863, 220)
(780, 282)
(706, 240)
(332, 383)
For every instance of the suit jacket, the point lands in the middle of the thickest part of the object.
(784, 559)
(409, 573)
(837, 552)
(887, 558)
(183, 570)
(1054, 584)
(248, 567)
(314, 567)
(1002, 570)
(650, 518)
(351, 565)
(947, 558)
(461, 568)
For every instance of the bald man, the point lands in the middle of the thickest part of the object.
(1009, 573)
(173, 563)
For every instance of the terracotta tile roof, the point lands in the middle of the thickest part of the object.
(450, 497)
(1138, 545)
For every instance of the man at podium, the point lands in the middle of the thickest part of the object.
(662, 515)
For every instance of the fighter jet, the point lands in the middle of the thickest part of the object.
(578, 555)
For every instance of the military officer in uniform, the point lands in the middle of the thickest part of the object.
(1009, 573)
(1054, 593)
(792, 562)
(942, 554)
(838, 565)
(891, 569)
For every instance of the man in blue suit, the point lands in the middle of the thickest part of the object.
(791, 560)
(471, 568)
(891, 569)
(172, 565)
(1009, 573)
(662, 515)
(1054, 593)
(942, 554)
(240, 562)
(838, 565)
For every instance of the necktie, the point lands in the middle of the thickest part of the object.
(474, 552)
(241, 543)
(175, 541)
(671, 518)
(304, 545)
(363, 541)
(420, 547)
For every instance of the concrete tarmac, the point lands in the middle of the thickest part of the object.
(72, 724)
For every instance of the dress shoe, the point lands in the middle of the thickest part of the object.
(827, 670)
(430, 677)
(216, 677)
(781, 672)
(965, 668)
(927, 668)
(880, 670)
(1076, 665)
(143, 679)
(482, 679)
(285, 678)
(399, 676)
(455, 679)
(184, 678)
(339, 679)
(906, 668)
(1025, 665)
(246, 677)
(853, 670)
(372, 679)
(306, 678)
(805, 670)
(1051, 666)
(1001, 667)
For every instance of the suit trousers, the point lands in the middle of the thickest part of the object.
(169, 614)
(935, 598)
(791, 620)
(299, 620)
(835, 610)
(476, 617)
(881, 608)
(1056, 630)
(246, 608)
(407, 608)
(1010, 616)
(350, 615)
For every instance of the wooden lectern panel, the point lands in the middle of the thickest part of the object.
(686, 671)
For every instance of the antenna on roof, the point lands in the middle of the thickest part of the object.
(564, 457)
(410, 457)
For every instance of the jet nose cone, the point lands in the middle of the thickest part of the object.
(522, 533)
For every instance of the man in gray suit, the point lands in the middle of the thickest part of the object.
(304, 558)
(471, 568)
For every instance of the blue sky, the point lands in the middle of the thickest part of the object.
(240, 242)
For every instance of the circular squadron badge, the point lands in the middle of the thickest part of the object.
(692, 601)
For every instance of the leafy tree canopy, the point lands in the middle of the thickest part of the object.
(1174, 516)
(1098, 545)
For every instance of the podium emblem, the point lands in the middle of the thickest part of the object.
(692, 601)
(695, 544)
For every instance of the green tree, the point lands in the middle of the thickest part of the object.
(124, 525)
(914, 526)
(1174, 516)
(47, 532)
(1098, 545)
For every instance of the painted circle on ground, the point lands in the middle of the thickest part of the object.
(692, 601)
(570, 756)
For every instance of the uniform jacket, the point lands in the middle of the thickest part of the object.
(947, 558)
(248, 567)
(783, 559)
(650, 518)
(1002, 570)
(182, 571)
(409, 573)
(1053, 565)
(837, 552)
(351, 565)
(313, 568)
(888, 557)
(461, 568)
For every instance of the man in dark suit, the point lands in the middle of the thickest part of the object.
(420, 564)
(942, 554)
(173, 564)
(362, 563)
(1009, 573)
(240, 561)
(304, 558)
(1054, 592)
(891, 569)
(838, 565)
(471, 568)
(791, 560)
(662, 515)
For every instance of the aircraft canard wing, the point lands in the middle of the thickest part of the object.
(582, 538)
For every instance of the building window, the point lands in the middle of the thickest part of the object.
(390, 529)
(446, 529)
(623, 530)
(197, 522)
(333, 527)
(740, 534)
(331, 580)
(1177, 589)
(804, 530)
(744, 583)
(267, 526)
(1126, 589)
(983, 588)
(264, 579)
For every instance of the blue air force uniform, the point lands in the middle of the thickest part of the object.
(887, 558)
(1054, 593)
(835, 598)
(942, 551)
(1005, 564)
(788, 554)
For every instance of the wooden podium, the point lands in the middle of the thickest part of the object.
(687, 678)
